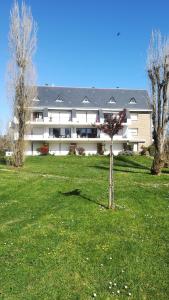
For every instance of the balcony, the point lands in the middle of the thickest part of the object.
(67, 122)
(37, 120)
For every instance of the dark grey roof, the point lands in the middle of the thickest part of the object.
(98, 98)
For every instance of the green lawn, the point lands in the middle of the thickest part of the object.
(57, 241)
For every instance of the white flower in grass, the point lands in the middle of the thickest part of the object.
(110, 258)
(87, 258)
(94, 295)
(101, 265)
(115, 284)
(118, 292)
(122, 271)
(129, 294)
(110, 282)
(110, 287)
(125, 286)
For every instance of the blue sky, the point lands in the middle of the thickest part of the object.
(78, 43)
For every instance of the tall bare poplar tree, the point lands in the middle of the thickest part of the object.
(22, 42)
(158, 72)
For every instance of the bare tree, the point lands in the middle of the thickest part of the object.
(22, 42)
(113, 124)
(158, 73)
(166, 153)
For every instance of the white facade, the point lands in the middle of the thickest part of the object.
(59, 128)
(65, 117)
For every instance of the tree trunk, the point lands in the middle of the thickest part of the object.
(157, 164)
(19, 153)
(111, 203)
(21, 115)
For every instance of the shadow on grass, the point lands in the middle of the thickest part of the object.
(2, 161)
(124, 162)
(165, 171)
(127, 162)
(77, 192)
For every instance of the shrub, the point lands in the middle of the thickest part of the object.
(81, 151)
(127, 147)
(9, 160)
(166, 154)
(72, 149)
(144, 150)
(44, 149)
(2, 156)
(126, 152)
(100, 149)
(151, 150)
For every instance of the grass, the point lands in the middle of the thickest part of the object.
(57, 241)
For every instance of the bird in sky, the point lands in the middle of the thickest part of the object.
(118, 33)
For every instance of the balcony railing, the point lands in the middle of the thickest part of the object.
(51, 120)
(37, 120)
(59, 136)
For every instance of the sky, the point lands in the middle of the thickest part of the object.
(86, 43)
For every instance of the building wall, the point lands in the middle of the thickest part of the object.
(59, 116)
(58, 148)
(63, 148)
(140, 121)
(143, 123)
(89, 148)
(117, 147)
(28, 148)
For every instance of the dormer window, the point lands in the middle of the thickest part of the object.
(132, 101)
(112, 100)
(85, 100)
(59, 99)
(36, 99)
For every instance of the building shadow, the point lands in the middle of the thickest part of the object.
(115, 168)
(127, 162)
(77, 192)
(124, 162)
(165, 171)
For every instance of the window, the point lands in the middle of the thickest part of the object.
(133, 132)
(85, 100)
(81, 116)
(132, 101)
(55, 132)
(109, 115)
(59, 99)
(134, 116)
(60, 116)
(36, 99)
(112, 100)
(67, 132)
(86, 132)
(37, 115)
(37, 131)
(91, 117)
(60, 132)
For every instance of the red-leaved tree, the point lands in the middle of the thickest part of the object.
(112, 125)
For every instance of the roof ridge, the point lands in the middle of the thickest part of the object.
(92, 88)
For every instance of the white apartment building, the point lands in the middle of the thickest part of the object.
(64, 116)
